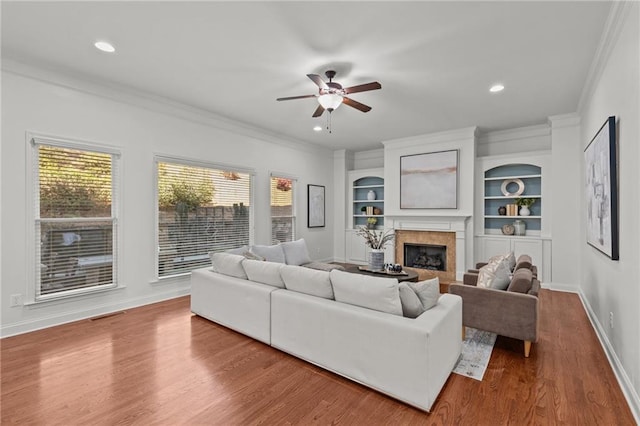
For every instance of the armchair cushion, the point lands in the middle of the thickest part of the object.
(521, 281)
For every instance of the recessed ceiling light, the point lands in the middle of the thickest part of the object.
(317, 128)
(496, 88)
(104, 46)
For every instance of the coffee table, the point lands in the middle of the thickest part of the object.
(411, 275)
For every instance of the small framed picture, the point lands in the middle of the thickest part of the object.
(315, 206)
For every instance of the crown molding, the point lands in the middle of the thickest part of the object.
(564, 120)
(158, 104)
(467, 133)
(515, 134)
(612, 28)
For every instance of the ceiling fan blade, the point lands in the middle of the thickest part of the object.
(318, 112)
(356, 105)
(318, 81)
(374, 85)
(296, 97)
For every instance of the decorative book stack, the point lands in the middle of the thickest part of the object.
(512, 210)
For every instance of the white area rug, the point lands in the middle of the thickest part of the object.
(476, 352)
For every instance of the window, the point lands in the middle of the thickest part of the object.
(75, 218)
(200, 209)
(283, 219)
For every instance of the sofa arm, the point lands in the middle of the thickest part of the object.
(502, 312)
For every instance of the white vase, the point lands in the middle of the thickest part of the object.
(371, 195)
(524, 211)
(376, 260)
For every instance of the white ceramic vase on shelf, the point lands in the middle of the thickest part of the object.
(371, 195)
(524, 211)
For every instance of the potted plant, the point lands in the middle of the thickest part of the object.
(524, 204)
(377, 241)
(363, 209)
(371, 222)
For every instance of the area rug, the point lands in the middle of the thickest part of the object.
(476, 352)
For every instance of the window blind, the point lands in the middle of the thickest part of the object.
(200, 210)
(282, 209)
(75, 220)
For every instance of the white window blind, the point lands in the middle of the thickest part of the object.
(75, 219)
(200, 210)
(283, 219)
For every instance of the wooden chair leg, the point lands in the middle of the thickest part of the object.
(527, 348)
(464, 332)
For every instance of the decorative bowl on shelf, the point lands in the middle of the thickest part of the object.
(508, 229)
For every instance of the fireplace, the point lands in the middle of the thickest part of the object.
(429, 253)
(425, 256)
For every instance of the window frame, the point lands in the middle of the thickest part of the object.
(33, 141)
(294, 204)
(185, 161)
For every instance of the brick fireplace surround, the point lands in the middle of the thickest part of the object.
(447, 239)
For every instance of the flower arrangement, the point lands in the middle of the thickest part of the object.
(283, 184)
(375, 240)
(526, 202)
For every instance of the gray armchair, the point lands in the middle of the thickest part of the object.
(511, 313)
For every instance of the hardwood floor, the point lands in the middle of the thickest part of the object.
(160, 365)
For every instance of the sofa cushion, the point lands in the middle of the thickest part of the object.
(228, 264)
(264, 272)
(295, 252)
(411, 304)
(428, 291)
(377, 293)
(248, 255)
(269, 253)
(494, 275)
(521, 281)
(308, 281)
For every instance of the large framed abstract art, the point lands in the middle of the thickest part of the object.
(429, 181)
(601, 186)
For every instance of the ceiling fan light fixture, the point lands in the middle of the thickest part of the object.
(330, 101)
(105, 46)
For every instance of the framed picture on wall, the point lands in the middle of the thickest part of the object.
(315, 207)
(601, 186)
(429, 181)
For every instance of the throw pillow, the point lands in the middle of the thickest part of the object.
(428, 291)
(228, 264)
(521, 281)
(511, 259)
(269, 253)
(524, 261)
(380, 294)
(308, 281)
(239, 250)
(495, 275)
(264, 272)
(248, 255)
(295, 252)
(323, 266)
(411, 304)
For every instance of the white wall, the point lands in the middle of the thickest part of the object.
(614, 286)
(97, 114)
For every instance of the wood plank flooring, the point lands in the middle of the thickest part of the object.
(160, 365)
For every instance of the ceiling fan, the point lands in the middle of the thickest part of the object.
(331, 94)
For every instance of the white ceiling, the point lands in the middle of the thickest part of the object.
(435, 60)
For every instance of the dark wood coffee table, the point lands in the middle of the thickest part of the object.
(411, 275)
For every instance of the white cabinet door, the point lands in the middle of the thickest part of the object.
(357, 250)
(494, 246)
(531, 247)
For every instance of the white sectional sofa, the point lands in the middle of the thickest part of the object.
(408, 359)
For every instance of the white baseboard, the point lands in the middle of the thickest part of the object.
(67, 317)
(621, 375)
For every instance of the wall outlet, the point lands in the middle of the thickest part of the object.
(611, 320)
(16, 300)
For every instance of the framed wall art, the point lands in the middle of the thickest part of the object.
(429, 181)
(315, 207)
(601, 186)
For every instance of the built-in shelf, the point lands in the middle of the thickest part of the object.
(362, 183)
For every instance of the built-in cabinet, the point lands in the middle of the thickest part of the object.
(501, 180)
(366, 201)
